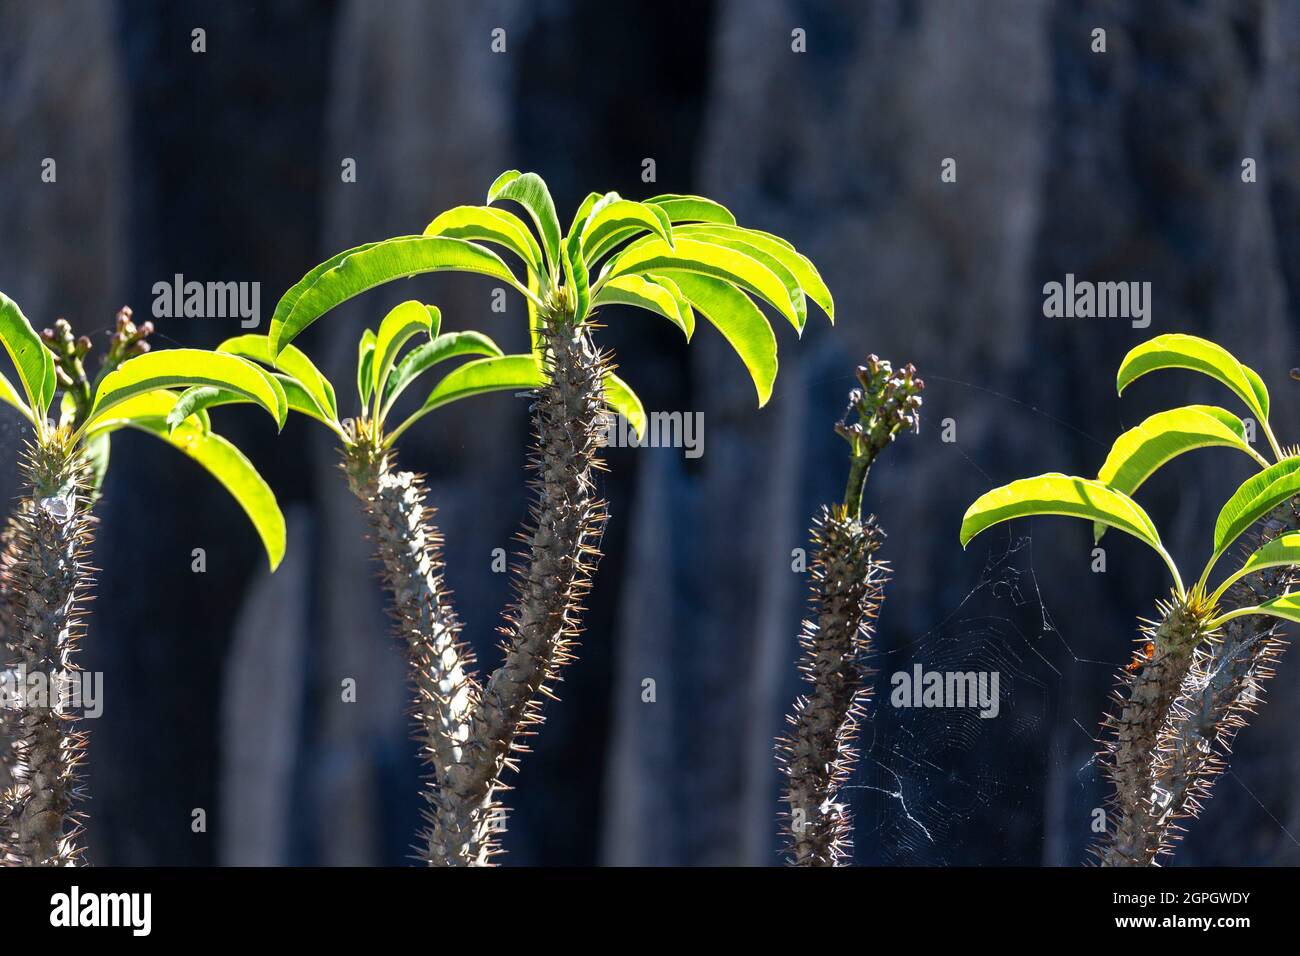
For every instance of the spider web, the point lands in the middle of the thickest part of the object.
(943, 785)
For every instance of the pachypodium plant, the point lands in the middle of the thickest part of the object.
(401, 522)
(1199, 666)
(673, 255)
(847, 587)
(43, 566)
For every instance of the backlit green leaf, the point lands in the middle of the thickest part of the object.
(495, 374)
(620, 397)
(1057, 494)
(197, 400)
(487, 224)
(1141, 451)
(805, 273)
(1286, 607)
(32, 360)
(379, 263)
(398, 327)
(365, 366)
(9, 395)
(739, 240)
(620, 215)
(706, 259)
(228, 465)
(423, 357)
(1200, 355)
(182, 368)
(644, 293)
(741, 323)
(530, 191)
(693, 209)
(292, 362)
(499, 373)
(1282, 551)
(1256, 497)
(158, 404)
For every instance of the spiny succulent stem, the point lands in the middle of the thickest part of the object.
(1146, 694)
(472, 733)
(408, 548)
(847, 588)
(819, 753)
(8, 643)
(562, 540)
(1220, 691)
(53, 531)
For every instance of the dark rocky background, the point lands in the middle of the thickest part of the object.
(223, 687)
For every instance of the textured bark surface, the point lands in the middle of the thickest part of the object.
(50, 578)
(9, 711)
(819, 753)
(1144, 698)
(408, 547)
(1220, 693)
(562, 546)
(8, 652)
(470, 733)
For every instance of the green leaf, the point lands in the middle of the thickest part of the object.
(290, 299)
(158, 404)
(1199, 355)
(776, 266)
(293, 362)
(575, 275)
(620, 397)
(805, 273)
(365, 363)
(197, 400)
(1057, 494)
(1140, 452)
(33, 361)
(399, 326)
(181, 368)
(495, 374)
(1259, 388)
(649, 294)
(530, 191)
(598, 250)
(1282, 551)
(620, 215)
(499, 373)
(740, 322)
(228, 465)
(588, 206)
(1286, 607)
(97, 448)
(9, 395)
(379, 263)
(693, 209)
(683, 304)
(707, 259)
(445, 346)
(1256, 497)
(486, 224)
